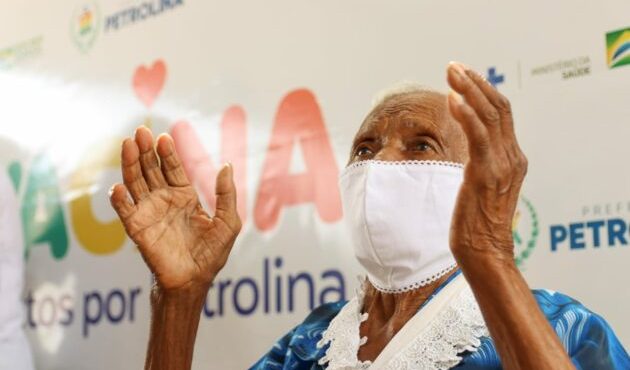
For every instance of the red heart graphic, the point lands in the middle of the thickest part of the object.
(148, 82)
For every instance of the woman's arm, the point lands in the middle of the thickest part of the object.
(481, 233)
(523, 337)
(174, 321)
(183, 246)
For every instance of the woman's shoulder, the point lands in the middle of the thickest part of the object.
(567, 315)
(306, 335)
(589, 340)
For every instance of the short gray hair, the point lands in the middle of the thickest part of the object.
(400, 88)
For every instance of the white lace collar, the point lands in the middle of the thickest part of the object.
(455, 328)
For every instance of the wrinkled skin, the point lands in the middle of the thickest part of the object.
(186, 248)
(420, 126)
(409, 126)
(182, 245)
(476, 130)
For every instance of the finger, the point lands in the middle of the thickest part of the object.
(132, 172)
(171, 165)
(226, 197)
(498, 100)
(459, 80)
(502, 105)
(121, 201)
(475, 130)
(148, 160)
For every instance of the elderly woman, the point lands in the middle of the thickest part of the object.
(429, 195)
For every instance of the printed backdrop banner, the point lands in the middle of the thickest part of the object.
(279, 88)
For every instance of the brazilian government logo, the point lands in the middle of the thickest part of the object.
(618, 47)
(524, 230)
(84, 26)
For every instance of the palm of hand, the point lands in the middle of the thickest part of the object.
(167, 225)
(178, 240)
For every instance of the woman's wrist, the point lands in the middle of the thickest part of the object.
(191, 296)
(487, 258)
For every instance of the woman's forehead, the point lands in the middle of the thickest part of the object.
(407, 111)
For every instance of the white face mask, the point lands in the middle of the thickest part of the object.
(399, 215)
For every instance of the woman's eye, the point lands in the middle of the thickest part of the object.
(422, 146)
(363, 151)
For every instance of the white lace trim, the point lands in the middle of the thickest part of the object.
(344, 337)
(457, 328)
(360, 164)
(431, 279)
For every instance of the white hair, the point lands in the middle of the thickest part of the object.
(400, 88)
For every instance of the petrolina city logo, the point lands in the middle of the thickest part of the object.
(86, 22)
(618, 47)
(84, 26)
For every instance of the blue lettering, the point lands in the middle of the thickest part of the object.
(595, 226)
(245, 295)
(576, 232)
(65, 303)
(132, 300)
(616, 231)
(266, 285)
(236, 300)
(309, 281)
(29, 309)
(340, 289)
(111, 22)
(207, 311)
(88, 319)
(108, 304)
(222, 286)
(558, 234)
(278, 286)
(139, 13)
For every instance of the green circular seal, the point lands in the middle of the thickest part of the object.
(525, 230)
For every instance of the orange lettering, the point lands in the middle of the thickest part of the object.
(298, 119)
(197, 163)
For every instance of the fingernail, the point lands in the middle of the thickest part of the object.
(458, 68)
(111, 191)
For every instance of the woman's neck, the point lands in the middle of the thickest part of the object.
(388, 313)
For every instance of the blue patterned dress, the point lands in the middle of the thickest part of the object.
(589, 340)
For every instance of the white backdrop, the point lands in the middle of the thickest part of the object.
(292, 81)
